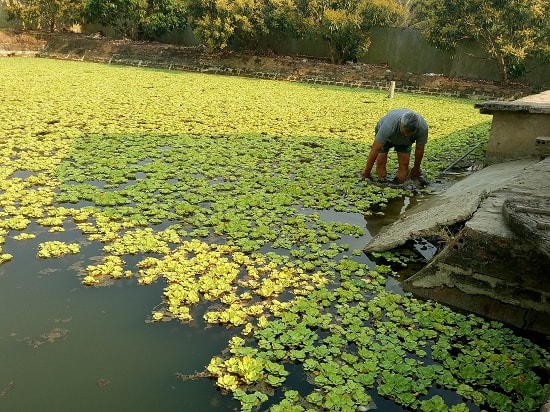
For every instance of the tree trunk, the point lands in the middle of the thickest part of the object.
(503, 69)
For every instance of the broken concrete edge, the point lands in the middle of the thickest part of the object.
(536, 104)
(432, 221)
(484, 266)
(444, 275)
(487, 269)
(527, 217)
(491, 275)
(456, 204)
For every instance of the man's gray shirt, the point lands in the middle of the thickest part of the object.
(387, 130)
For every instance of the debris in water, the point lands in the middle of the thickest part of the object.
(101, 383)
(7, 388)
(50, 337)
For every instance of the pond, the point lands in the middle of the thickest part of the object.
(70, 347)
(236, 208)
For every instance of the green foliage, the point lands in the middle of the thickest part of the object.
(455, 145)
(509, 32)
(57, 249)
(121, 15)
(51, 15)
(162, 17)
(401, 258)
(345, 24)
(137, 19)
(219, 23)
(435, 404)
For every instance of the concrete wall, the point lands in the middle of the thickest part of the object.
(492, 273)
(538, 74)
(292, 46)
(406, 49)
(186, 37)
(4, 19)
(513, 135)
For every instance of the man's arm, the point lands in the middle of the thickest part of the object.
(373, 154)
(418, 155)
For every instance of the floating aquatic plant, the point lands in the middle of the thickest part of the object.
(218, 201)
(112, 267)
(56, 248)
(378, 344)
(24, 236)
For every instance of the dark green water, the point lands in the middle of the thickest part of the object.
(68, 347)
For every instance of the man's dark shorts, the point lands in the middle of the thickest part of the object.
(400, 148)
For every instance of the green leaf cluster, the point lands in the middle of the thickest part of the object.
(56, 248)
(44, 15)
(380, 341)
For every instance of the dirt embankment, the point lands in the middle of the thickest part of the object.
(19, 44)
(290, 68)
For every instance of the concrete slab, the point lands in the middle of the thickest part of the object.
(536, 103)
(542, 99)
(489, 267)
(460, 201)
(516, 125)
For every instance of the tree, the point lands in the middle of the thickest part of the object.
(122, 16)
(212, 22)
(509, 31)
(48, 15)
(161, 17)
(138, 19)
(219, 23)
(345, 24)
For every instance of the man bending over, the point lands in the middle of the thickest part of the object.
(399, 128)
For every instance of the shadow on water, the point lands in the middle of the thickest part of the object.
(75, 347)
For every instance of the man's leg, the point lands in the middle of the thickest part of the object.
(381, 161)
(403, 166)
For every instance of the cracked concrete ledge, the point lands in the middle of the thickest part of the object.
(456, 204)
(487, 268)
